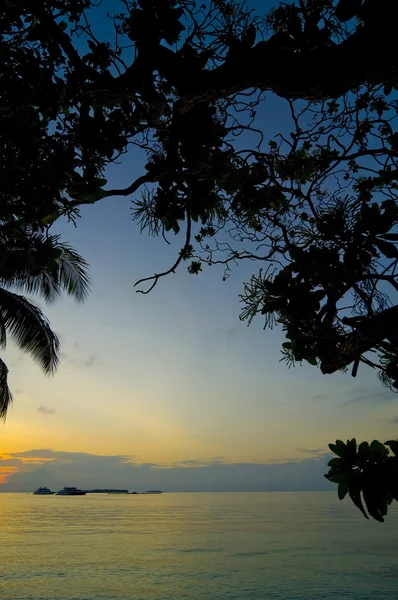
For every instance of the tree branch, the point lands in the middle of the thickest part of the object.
(62, 38)
(155, 278)
(318, 74)
(355, 344)
(132, 188)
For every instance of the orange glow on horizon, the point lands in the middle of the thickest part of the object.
(6, 472)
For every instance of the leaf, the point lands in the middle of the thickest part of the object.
(389, 250)
(5, 394)
(393, 444)
(388, 88)
(375, 507)
(49, 219)
(311, 359)
(249, 37)
(30, 329)
(336, 463)
(363, 450)
(337, 476)
(377, 447)
(342, 490)
(318, 295)
(354, 490)
(393, 237)
(338, 448)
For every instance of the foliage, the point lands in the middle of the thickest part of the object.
(183, 82)
(370, 471)
(37, 264)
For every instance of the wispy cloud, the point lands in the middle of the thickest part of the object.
(319, 397)
(45, 410)
(84, 363)
(370, 396)
(217, 460)
(313, 451)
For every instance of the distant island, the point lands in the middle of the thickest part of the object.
(116, 491)
(72, 491)
(149, 492)
(106, 491)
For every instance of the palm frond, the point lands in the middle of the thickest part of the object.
(5, 394)
(3, 335)
(66, 272)
(30, 329)
(73, 273)
(42, 284)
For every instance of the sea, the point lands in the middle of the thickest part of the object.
(230, 546)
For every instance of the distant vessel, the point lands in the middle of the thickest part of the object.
(71, 491)
(43, 491)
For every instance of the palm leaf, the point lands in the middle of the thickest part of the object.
(73, 275)
(5, 394)
(66, 272)
(30, 329)
(43, 284)
(3, 335)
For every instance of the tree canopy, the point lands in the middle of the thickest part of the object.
(182, 81)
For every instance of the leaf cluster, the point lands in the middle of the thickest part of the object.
(368, 473)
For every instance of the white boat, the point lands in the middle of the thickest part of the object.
(43, 491)
(70, 491)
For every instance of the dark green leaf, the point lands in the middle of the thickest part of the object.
(312, 360)
(342, 489)
(388, 249)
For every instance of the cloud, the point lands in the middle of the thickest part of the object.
(24, 471)
(18, 391)
(370, 396)
(393, 421)
(319, 397)
(217, 460)
(84, 363)
(313, 451)
(44, 410)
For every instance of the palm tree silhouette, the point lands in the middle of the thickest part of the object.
(38, 264)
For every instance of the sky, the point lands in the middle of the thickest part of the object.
(170, 389)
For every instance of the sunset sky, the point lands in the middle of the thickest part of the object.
(174, 376)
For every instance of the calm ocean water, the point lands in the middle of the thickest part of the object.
(288, 546)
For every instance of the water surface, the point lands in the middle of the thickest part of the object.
(254, 546)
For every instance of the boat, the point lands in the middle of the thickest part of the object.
(43, 491)
(71, 491)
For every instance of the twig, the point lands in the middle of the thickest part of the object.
(172, 269)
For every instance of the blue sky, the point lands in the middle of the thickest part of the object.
(174, 376)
